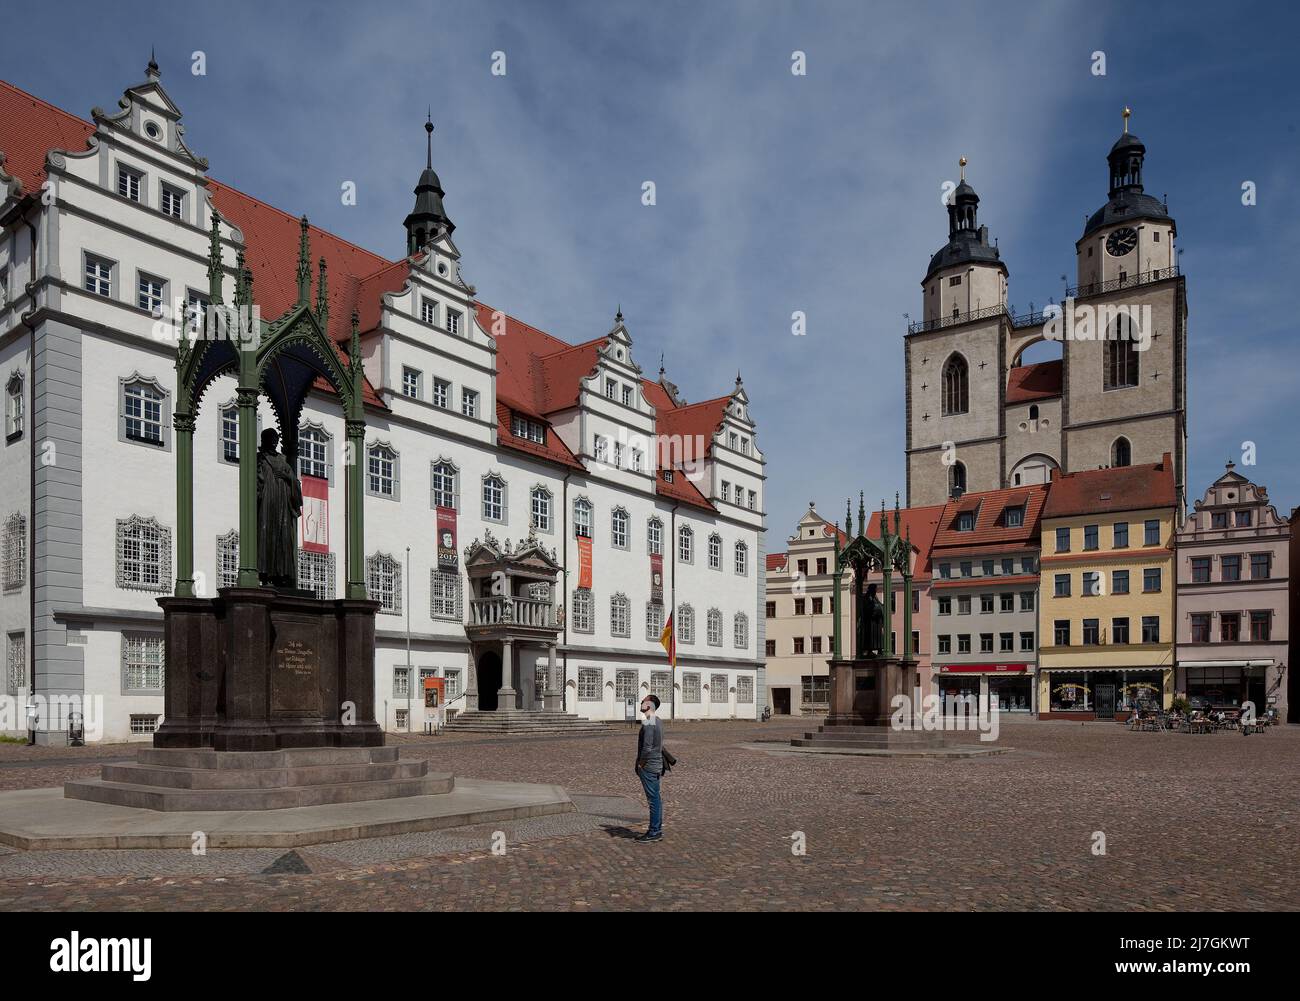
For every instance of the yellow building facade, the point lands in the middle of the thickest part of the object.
(1106, 608)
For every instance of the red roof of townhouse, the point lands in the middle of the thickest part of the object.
(537, 374)
(1101, 491)
(777, 561)
(991, 528)
(1041, 381)
(922, 523)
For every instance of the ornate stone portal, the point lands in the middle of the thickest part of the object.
(264, 665)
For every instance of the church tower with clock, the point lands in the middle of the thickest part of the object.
(979, 417)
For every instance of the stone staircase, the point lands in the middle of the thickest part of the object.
(522, 721)
(201, 779)
(871, 738)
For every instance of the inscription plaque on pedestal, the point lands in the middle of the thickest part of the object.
(295, 671)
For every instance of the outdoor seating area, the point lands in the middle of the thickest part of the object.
(1200, 721)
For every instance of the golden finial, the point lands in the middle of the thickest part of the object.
(962, 163)
(1127, 111)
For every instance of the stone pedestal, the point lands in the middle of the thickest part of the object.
(862, 690)
(255, 669)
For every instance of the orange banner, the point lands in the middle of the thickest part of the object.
(584, 563)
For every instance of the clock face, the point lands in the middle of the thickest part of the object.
(1121, 242)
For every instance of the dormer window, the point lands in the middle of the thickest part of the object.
(1013, 517)
(522, 427)
(966, 521)
(668, 476)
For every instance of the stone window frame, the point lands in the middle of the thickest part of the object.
(469, 402)
(955, 386)
(163, 294)
(227, 554)
(453, 687)
(15, 552)
(713, 627)
(440, 582)
(222, 441)
(741, 559)
(591, 684)
(141, 524)
(685, 553)
(685, 630)
(101, 264)
(715, 551)
(401, 691)
(620, 686)
(620, 610)
(428, 310)
(135, 379)
(15, 662)
(615, 515)
(320, 571)
(690, 688)
(412, 379)
(740, 631)
(385, 565)
(146, 639)
(654, 621)
(744, 690)
(583, 502)
(15, 406)
(127, 172)
(502, 503)
(307, 431)
(661, 684)
(541, 491)
(583, 602)
(442, 390)
(449, 470)
(717, 688)
(1120, 371)
(177, 196)
(374, 449)
(653, 547)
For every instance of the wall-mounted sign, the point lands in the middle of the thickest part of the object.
(447, 558)
(315, 521)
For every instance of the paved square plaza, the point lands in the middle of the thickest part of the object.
(1190, 822)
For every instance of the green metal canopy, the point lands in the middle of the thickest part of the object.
(281, 358)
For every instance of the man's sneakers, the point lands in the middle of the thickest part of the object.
(648, 838)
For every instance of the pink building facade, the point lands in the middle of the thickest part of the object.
(1232, 615)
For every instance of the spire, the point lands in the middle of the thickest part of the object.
(322, 297)
(151, 72)
(848, 516)
(304, 263)
(428, 219)
(215, 267)
(862, 513)
(964, 207)
(1125, 159)
(1127, 112)
(661, 366)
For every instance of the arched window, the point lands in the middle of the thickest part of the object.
(714, 623)
(956, 391)
(443, 483)
(381, 471)
(685, 543)
(1121, 453)
(13, 402)
(715, 551)
(741, 631)
(581, 518)
(742, 560)
(956, 479)
(618, 521)
(1033, 412)
(619, 615)
(1121, 362)
(494, 498)
(685, 624)
(384, 582)
(540, 503)
(654, 537)
(314, 452)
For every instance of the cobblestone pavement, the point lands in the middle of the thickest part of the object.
(1190, 822)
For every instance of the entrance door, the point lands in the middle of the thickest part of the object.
(489, 680)
(781, 701)
(1105, 700)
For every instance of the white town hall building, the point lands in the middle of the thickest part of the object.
(475, 423)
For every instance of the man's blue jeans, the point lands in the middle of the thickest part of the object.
(650, 783)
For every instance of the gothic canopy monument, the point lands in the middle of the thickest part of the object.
(263, 665)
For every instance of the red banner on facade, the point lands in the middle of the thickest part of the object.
(447, 559)
(584, 562)
(314, 525)
(983, 668)
(656, 579)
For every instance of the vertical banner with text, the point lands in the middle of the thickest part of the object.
(315, 520)
(584, 562)
(656, 579)
(447, 559)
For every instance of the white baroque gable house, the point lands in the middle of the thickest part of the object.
(528, 439)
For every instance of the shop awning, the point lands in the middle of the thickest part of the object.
(1226, 663)
(983, 668)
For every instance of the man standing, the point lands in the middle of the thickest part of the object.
(279, 503)
(650, 767)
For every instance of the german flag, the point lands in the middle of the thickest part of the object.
(669, 642)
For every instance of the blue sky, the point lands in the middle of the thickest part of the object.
(775, 192)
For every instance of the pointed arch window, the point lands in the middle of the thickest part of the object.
(956, 479)
(1122, 367)
(956, 386)
(1121, 453)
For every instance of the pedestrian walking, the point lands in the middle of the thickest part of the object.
(650, 767)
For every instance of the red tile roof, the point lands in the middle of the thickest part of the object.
(537, 374)
(1041, 381)
(922, 522)
(989, 527)
(777, 561)
(1101, 491)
